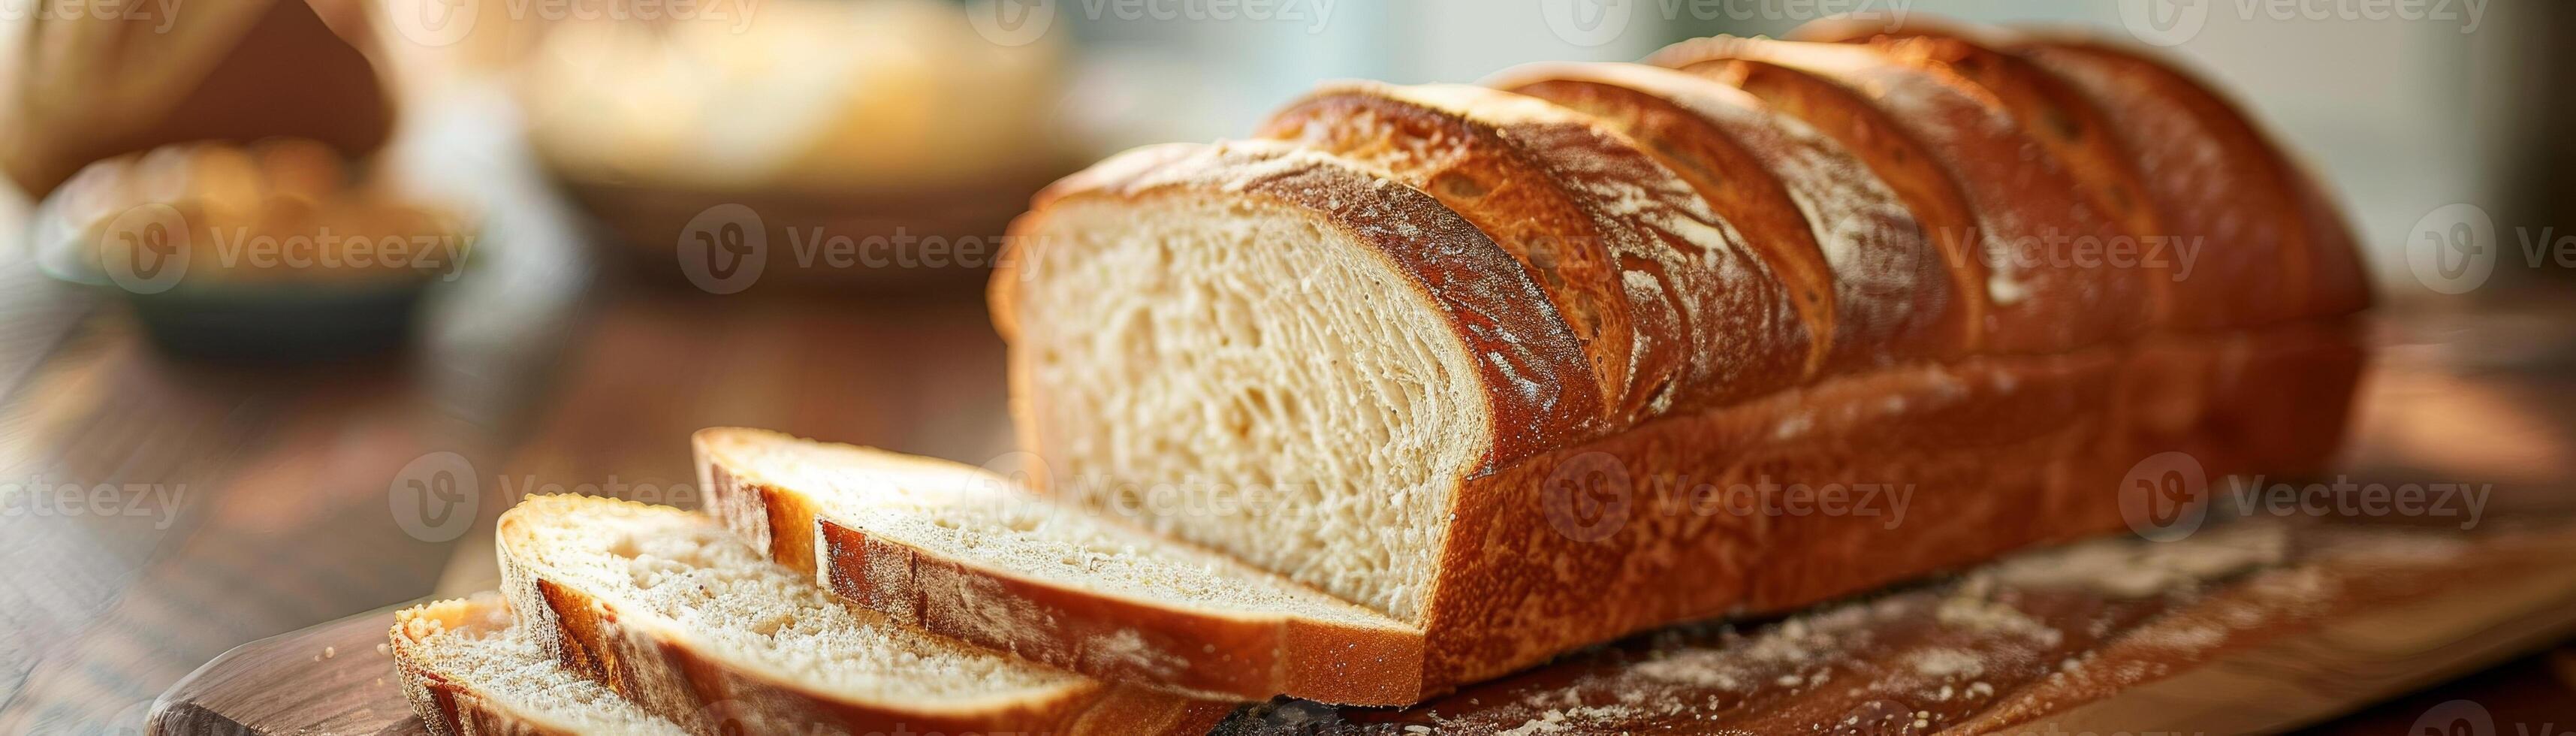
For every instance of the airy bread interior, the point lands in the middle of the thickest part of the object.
(671, 571)
(470, 642)
(1247, 376)
(966, 513)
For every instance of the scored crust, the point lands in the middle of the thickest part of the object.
(1821, 216)
(868, 507)
(2217, 175)
(2024, 221)
(682, 673)
(1675, 311)
(2078, 135)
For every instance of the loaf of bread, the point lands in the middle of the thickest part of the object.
(1501, 363)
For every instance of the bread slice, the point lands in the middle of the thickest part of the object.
(468, 672)
(680, 617)
(1996, 195)
(967, 553)
(1831, 228)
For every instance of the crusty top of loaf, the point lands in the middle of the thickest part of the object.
(1676, 311)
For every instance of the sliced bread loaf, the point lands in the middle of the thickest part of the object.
(468, 672)
(680, 617)
(1511, 436)
(970, 554)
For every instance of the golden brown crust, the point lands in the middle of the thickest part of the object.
(1675, 311)
(1823, 220)
(2026, 224)
(664, 672)
(1733, 182)
(2078, 135)
(2216, 177)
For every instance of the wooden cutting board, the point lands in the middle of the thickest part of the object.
(2251, 626)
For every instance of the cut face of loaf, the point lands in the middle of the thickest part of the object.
(966, 553)
(1317, 346)
(467, 672)
(680, 617)
(1996, 196)
(1801, 199)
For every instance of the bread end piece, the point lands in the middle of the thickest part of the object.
(467, 673)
